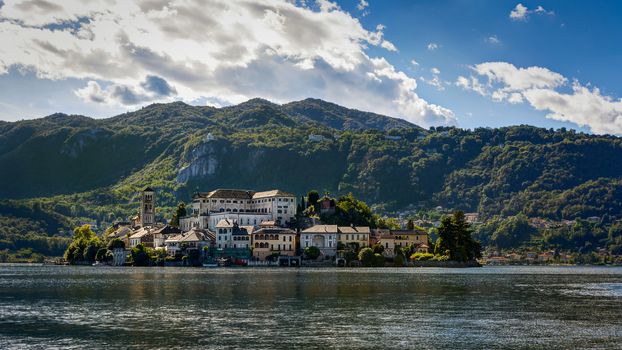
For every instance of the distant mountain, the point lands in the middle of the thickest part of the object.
(91, 168)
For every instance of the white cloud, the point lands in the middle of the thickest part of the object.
(521, 12)
(541, 87)
(435, 80)
(433, 46)
(235, 51)
(413, 62)
(362, 5)
(493, 40)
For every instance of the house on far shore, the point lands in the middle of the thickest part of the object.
(324, 237)
(354, 235)
(274, 240)
(403, 238)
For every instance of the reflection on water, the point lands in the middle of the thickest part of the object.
(505, 307)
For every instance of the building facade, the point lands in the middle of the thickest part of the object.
(391, 239)
(323, 237)
(354, 236)
(243, 207)
(274, 240)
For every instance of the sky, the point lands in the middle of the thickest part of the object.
(470, 64)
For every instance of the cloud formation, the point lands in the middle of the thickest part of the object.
(521, 12)
(134, 52)
(543, 89)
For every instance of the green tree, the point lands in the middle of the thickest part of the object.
(455, 240)
(378, 260)
(312, 199)
(102, 255)
(116, 243)
(366, 256)
(140, 256)
(180, 212)
(312, 252)
(410, 225)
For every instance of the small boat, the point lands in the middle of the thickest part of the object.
(210, 265)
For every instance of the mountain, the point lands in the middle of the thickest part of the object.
(76, 168)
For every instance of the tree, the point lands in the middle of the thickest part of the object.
(366, 256)
(102, 255)
(180, 212)
(312, 252)
(140, 256)
(454, 239)
(84, 246)
(410, 225)
(116, 243)
(378, 260)
(513, 232)
(312, 199)
(377, 248)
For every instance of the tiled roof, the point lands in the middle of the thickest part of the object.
(140, 233)
(228, 193)
(225, 223)
(272, 193)
(274, 230)
(321, 229)
(353, 229)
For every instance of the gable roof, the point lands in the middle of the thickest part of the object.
(225, 223)
(353, 229)
(140, 233)
(272, 193)
(321, 229)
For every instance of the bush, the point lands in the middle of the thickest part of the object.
(366, 256)
(440, 258)
(378, 260)
(312, 252)
(421, 256)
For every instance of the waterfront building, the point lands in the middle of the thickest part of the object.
(354, 236)
(194, 239)
(243, 207)
(161, 233)
(144, 236)
(274, 240)
(391, 239)
(324, 237)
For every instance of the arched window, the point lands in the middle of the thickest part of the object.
(256, 245)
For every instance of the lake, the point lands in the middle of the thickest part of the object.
(406, 308)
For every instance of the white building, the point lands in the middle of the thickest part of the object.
(243, 207)
(324, 237)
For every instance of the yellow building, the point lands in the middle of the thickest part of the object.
(270, 240)
(390, 239)
(353, 235)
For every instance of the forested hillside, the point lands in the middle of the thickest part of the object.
(74, 168)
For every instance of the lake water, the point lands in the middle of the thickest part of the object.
(407, 308)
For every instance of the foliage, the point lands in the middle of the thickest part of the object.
(421, 256)
(180, 212)
(366, 256)
(84, 246)
(454, 239)
(140, 256)
(503, 172)
(312, 252)
(378, 260)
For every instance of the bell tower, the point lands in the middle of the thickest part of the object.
(147, 207)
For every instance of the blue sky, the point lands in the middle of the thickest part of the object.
(478, 63)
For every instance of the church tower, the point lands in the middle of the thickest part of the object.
(147, 207)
